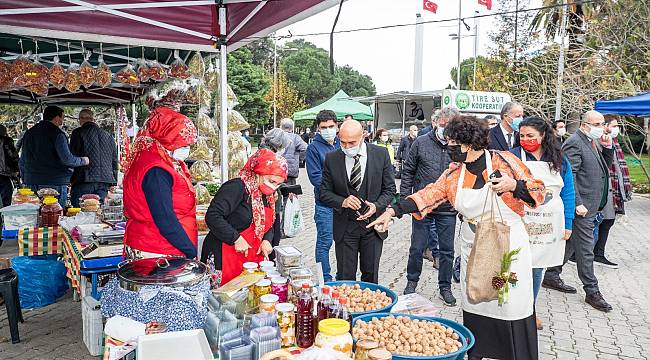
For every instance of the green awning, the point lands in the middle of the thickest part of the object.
(341, 104)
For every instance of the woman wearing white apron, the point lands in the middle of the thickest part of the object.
(550, 224)
(507, 331)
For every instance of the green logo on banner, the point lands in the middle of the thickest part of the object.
(462, 101)
(447, 100)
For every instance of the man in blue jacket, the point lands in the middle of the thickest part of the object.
(45, 160)
(324, 142)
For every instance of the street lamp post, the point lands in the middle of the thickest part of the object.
(460, 12)
(275, 74)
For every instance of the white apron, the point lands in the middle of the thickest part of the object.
(469, 203)
(545, 224)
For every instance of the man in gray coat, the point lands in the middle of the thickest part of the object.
(294, 151)
(590, 153)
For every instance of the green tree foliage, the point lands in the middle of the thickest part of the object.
(355, 83)
(262, 53)
(250, 83)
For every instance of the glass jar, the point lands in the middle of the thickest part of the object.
(280, 287)
(262, 287)
(268, 303)
(50, 212)
(363, 346)
(266, 263)
(25, 196)
(379, 354)
(287, 322)
(250, 267)
(270, 274)
(334, 334)
(73, 211)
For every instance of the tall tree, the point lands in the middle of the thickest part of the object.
(288, 101)
(262, 53)
(308, 69)
(250, 83)
(354, 83)
(511, 26)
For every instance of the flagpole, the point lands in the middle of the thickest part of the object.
(460, 11)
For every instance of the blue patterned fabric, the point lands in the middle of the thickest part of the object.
(180, 309)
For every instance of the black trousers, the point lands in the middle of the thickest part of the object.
(359, 246)
(603, 234)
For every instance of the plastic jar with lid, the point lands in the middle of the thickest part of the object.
(280, 287)
(363, 347)
(287, 322)
(266, 263)
(268, 303)
(50, 212)
(25, 196)
(334, 334)
(379, 354)
(250, 267)
(73, 211)
(261, 288)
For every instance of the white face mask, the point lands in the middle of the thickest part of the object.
(328, 134)
(351, 152)
(595, 133)
(440, 133)
(614, 131)
(181, 153)
(384, 138)
(561, 131)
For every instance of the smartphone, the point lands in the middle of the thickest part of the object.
(494, 175)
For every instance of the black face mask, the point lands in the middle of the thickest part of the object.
(456, 154)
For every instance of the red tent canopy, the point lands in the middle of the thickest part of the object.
(189, 25)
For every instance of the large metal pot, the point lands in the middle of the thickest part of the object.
(177, 272)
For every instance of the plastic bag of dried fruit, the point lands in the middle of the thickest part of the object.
(57, 74)
(72, 78)
(128, 76)
(202, 195)
(157, 72)
(201, 171)
(20, 70)
(216, 156)
(103, 74)
(143, 70)
(211, 77)
(179, 69)
(197, 66)
(6, 79)
(236, 162)
(87, 74)
(204, 124)
(236, 121)
(39, 89)
(235, 141)
(200, 151)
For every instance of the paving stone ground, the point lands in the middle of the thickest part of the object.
(573, 330)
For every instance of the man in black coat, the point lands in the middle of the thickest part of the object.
(99, 146)
(357, 184)
(8, 166)
(505, 136)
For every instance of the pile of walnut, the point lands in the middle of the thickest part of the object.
(404, 336)
(363, 300)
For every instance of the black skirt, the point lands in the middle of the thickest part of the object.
(502, 339)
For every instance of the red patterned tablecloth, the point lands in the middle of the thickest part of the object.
(40, 241)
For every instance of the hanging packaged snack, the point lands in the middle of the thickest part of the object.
(87, 74)
(157, 72)
(197, 66)
(72, 78)
(204, 124)
(201, 171)
(235, 141)
(200, 151)
(143, 70)
(211, 77)
(57, 74)
(192, 94)
(179, 69)
(39, 89)
(232, 98)
(20, 70)
(6, 80)
(103, 74)
(202, 195)
(216, 156)
(236, 162)
(127, 76)
(236, 121)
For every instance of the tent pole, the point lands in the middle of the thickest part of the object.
(223, 96)
(403, 114)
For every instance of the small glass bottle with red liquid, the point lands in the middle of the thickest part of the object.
(335, 307)
(324, 304)
(345, 312)
(305, 318)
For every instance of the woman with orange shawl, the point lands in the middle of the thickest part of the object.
(241, 215)
(159, 199)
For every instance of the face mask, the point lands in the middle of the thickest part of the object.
(440, 132)
(595, 133)
(267, 189)
(328, 134)
(456, 154)
(515, 123)
(351, 152)
(561, 131)
(530, 145)
(384, 138)
(614, 132)
(181, 153)
(246, 133)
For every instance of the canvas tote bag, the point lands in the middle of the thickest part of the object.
(491, 241)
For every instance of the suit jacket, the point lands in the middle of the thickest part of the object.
(498, 142)
(590, 170)
(378, 186)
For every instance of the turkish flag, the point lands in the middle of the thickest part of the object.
(430, 6)
(486, 3)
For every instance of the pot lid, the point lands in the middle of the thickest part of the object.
(164, 271)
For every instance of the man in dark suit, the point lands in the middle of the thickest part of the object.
(505, 136)
(590, 153)
(357, 184)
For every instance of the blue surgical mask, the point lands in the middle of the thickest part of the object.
(351, 152)
(328, 134)
(515, 123)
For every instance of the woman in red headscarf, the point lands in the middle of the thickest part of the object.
(241, 215)
(159, 199)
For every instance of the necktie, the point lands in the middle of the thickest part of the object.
(510, 141)
(355, 174)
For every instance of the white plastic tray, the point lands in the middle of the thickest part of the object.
(187, 345)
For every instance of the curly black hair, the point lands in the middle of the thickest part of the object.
(468, 130)
(551, 147)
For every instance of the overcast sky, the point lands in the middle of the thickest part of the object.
(387, 55)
